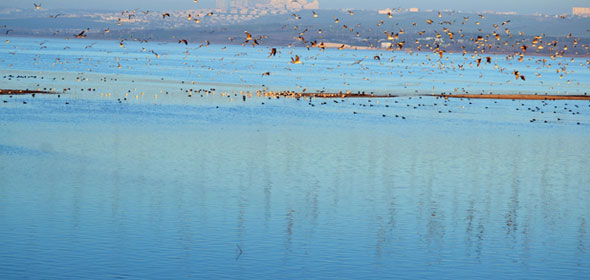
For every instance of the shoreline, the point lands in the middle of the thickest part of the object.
(23, 92)
(299, 95)
(517, 96)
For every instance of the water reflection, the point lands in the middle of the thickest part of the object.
(370, 201)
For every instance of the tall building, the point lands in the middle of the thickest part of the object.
(295, 4)
(238, 4)
(256, 2)
(268, 4)
(581, 11)
(221, 4)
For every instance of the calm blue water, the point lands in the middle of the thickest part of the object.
(204, 188)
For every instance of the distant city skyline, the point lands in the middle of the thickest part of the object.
(522, 7)
(273, 4)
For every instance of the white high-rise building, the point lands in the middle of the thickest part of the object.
(295, 4)
(581, 11)
(238, 4)
(222, 4)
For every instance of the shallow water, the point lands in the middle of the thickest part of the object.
(203, 187)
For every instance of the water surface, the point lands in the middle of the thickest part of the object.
(207, 187)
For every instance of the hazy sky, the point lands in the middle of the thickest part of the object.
(520, 6)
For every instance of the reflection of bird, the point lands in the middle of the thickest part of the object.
(9, 30)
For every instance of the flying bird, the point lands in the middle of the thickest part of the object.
(248, 36)
(389, 36)
(81, 34)
(518, 75)
(295, 60)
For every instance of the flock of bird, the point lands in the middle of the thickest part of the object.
(484, 47)
(538, 111)
(481, 43)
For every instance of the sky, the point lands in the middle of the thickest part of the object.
(519, 6)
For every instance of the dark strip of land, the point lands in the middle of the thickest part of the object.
(518, 96)
(23, 92)
(298, 95)
(474, 96)
(326, 95)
